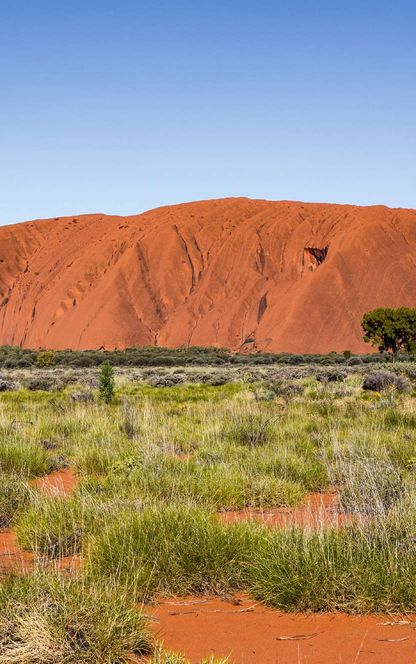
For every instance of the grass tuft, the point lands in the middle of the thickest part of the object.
(46, 619)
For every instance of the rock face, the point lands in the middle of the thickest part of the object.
(235, 272)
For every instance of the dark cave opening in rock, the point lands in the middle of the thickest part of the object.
(315, 256)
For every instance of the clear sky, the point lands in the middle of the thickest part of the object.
(118, 106)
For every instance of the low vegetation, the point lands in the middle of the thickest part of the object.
(46, 618)
(161, 656)
(160, 462)
(14, 357)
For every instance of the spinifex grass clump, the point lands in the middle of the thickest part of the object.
(55, 527)
(217, 486)
(252, 429)
(369, 486)
(51, 619)
(359, 570)
(364, 567)
(14, 495)
(175, 550)
(130, 424)
(22, 456)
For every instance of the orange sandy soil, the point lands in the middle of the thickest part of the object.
(318, 510)
(14, 559)
(250, 633)
(59, 483)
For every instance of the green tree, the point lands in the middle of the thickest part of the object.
(391, 329)
(106, 382)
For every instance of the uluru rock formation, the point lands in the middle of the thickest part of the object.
(237, 273)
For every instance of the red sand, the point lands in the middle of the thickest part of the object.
(292, 276)
(253, 634)
(318, 510)
(13, 559)
(60, 483)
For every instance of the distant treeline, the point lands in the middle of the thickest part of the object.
(150, 356)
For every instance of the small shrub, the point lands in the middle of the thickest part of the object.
(369, 486)
(216, 379)
(24, 363)
(106, 387)
(129, 423)
(45, 358)
(40, 383)
(7, 385)
(332, 376)
(167, 380)
(407, 369)
(286, 390)
(379, 381)
(354, 361)
(264, 395)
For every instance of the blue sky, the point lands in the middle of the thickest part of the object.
(120, 106)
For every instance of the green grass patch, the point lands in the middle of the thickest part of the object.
(54, 527)
(174, 550)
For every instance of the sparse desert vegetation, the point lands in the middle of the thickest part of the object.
(160, 468)
(207, 407)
